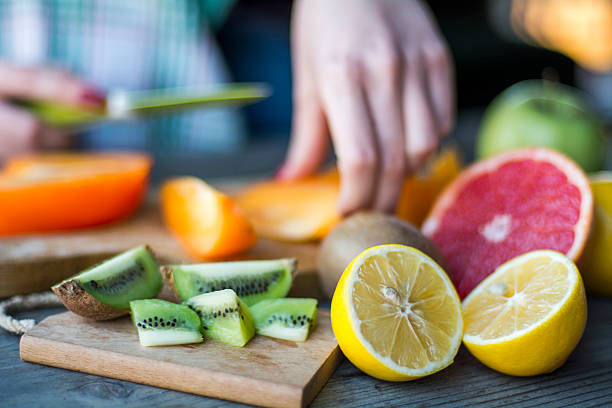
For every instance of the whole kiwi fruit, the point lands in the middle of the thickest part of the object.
(361, 231)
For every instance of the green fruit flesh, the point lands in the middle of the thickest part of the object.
(224, 316)
(131, 275)
(161, 323)
(289, 319)
(253, 281)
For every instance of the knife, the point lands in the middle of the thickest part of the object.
(123, 105)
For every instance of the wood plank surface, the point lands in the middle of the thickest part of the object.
(267, 372)
(33, 263)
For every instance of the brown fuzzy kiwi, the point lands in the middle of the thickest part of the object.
(361, 231)
(80, 302)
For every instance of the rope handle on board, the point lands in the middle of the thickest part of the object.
(23, 303)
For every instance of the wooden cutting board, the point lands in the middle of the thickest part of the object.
(265, 372)
(33, 263)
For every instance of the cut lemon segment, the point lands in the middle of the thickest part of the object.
(396, 314)
(527, 317)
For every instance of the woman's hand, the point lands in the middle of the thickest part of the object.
(20, 131)
(376, 76)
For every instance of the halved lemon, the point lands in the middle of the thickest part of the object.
(396, 314)
(527, 316)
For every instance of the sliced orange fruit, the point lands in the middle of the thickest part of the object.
(59, 191)
(304, 210)
(299, 210)
(396, 314)
(208, 223)
(421, 190)
(527, 317)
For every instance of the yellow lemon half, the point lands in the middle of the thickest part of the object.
(596, 261)
(396, 314)
(526, 317)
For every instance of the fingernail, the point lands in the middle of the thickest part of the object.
(91, 96)
(281, 173)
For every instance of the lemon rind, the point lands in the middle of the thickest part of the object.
(573, 283)
(431, 367)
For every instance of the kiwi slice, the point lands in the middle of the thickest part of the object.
(253, 281)
(224, 317)
(289, 318)
(161, 323)
(104, 291)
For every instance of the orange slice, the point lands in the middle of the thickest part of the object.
(49, 192)
(208, 223)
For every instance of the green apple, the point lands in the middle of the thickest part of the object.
(542, 113)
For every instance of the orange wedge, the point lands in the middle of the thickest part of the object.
(50, 192)
(305, 210)
(300, 210)
(208, 223)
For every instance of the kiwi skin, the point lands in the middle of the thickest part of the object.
(80, 302)
(361, 231)
(76, 298)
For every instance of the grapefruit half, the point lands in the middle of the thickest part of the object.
(507, 205)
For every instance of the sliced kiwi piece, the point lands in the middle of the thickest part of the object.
(104, 291)
(161, 323)
(224, 317)
(289, 318)
(253, 281)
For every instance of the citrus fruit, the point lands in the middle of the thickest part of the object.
(421, 189)
(527, 317)
(207, 222)
(59, 191)
(396, 314)
(596, 261)
(507, 205)
(298, 210)
(545, 114)
(306, 209)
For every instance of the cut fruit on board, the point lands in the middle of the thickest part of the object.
(507, 205)
(61, 191)
(305, 210)
(596, 262)
(208, 223)
(294, 211)
(527, 317)
(396, 314)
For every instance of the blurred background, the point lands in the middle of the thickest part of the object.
(495, 43)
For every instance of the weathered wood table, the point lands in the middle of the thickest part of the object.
(584, 381)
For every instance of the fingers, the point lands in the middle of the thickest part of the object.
(352, 135)
(419, 117)
(48, 85)
(19, 130)
(385, 105)
(441, 88)
(309, 143)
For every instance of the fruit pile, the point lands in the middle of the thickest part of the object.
(225, 301)
(509, 229)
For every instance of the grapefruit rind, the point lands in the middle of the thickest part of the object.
(354, 321)
(574, 174)
(573, 280)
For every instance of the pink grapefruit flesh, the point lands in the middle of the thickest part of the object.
(507, 205)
